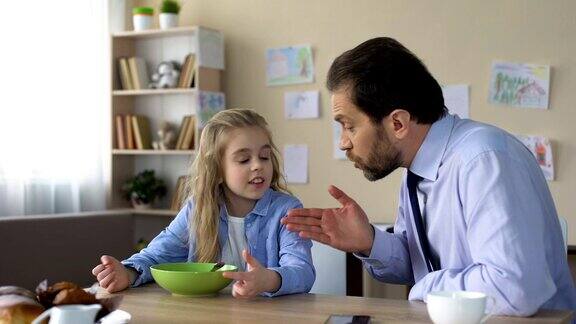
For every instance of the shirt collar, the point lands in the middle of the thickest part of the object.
(429, 156)
(260, 209)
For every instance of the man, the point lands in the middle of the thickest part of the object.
(475, 212)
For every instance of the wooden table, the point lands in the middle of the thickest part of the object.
(152, 304)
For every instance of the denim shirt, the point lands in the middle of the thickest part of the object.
(269, 241)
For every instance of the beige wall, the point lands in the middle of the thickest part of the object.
(457, 40)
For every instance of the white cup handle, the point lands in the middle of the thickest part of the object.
(487, 316)
(42, 316)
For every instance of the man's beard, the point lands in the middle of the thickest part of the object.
(382, 159)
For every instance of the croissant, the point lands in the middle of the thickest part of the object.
(18, 305)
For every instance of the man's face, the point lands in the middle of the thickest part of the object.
(366, 144)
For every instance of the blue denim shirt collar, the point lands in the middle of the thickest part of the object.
(260, 209)
(430, 154)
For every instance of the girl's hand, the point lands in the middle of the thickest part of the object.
(112, 275)
(255, 280)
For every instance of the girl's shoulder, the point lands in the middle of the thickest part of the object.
(281, 199)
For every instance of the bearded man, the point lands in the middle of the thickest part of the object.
(475, 212)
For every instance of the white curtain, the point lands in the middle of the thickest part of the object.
(53, 106)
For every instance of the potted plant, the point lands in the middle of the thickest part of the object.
(169, 14)
(143, 189)
(142, 17)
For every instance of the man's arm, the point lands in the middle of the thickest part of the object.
(389, 260)
(348, 229)
(505, 219)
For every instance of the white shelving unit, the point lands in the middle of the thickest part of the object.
(156, 46)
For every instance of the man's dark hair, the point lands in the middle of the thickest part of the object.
(382, 75)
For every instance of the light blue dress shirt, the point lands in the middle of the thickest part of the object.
(270, 243)
(490, 220)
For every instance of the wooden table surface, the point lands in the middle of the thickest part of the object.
(152, 304)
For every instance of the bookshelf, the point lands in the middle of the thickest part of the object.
(152, 92)
(158, 105)
(157, 33)
(152, 152)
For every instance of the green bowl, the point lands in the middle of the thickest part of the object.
(191, 279)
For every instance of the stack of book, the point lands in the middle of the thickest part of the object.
(133, 73)
(187, 74)
(133, 132)
(186, 134)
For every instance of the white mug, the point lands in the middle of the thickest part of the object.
(457, 307)
(70, 314)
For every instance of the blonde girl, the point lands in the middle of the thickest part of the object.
(237, 198)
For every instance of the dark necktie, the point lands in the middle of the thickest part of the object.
(412, 181)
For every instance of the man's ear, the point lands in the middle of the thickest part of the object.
(398, 123)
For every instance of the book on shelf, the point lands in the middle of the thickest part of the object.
(124, 73)
(187, 72)
(120, 132)
(129, 132)
(182, 78)
(141, 127)
(182, 131)
(180, 193)
(138, 72)
(188, 142)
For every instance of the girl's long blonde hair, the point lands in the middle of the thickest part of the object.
(206, 181)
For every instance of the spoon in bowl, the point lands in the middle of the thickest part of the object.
(217, 266)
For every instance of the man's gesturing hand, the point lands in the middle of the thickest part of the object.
(346, 228)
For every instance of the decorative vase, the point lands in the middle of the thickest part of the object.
(168, 20)
(143, 17)
(139, 205)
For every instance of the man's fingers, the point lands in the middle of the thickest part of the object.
(97, 269)
(104, 273)
(305, 212)
(322, 238)
(235, 275)
(339, 195)
(303, 220)
(305, 228)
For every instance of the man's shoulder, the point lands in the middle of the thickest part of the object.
(471, 139)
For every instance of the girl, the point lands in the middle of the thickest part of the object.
(238, 197)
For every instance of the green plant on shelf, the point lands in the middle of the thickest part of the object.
(170, 6)
(143, 11)
(144, 188)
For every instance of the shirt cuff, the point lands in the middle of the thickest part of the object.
(285, 279)
(381, 252)
(141, 277)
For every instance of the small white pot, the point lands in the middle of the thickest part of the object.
(142, 22)
(140, 205)
(168, 20)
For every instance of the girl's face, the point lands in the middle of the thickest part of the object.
(247, 164)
